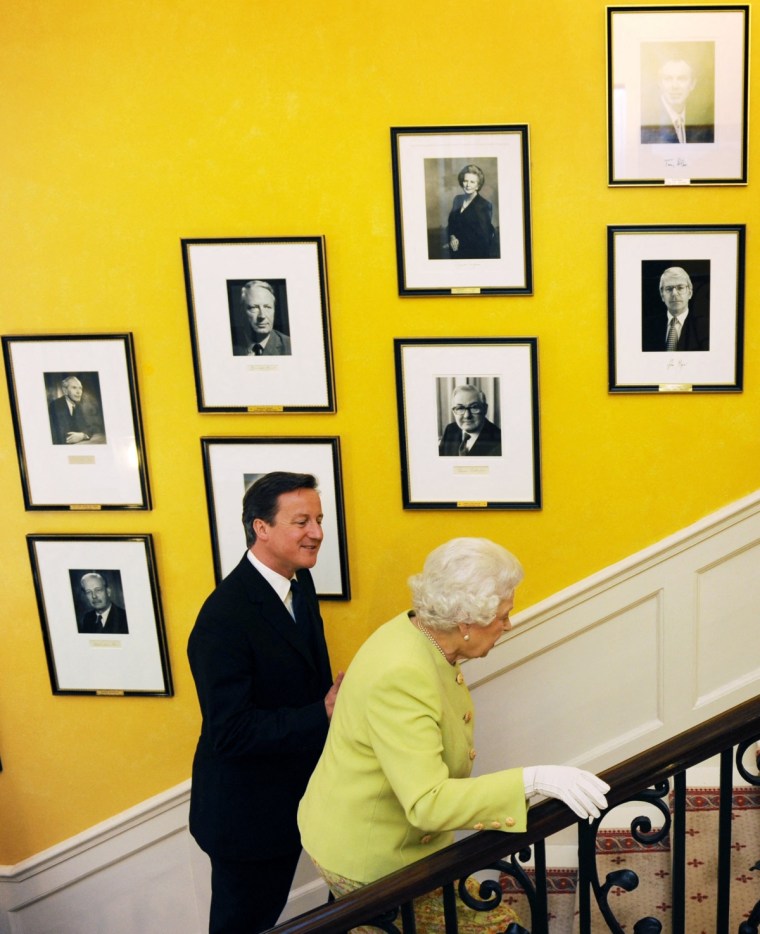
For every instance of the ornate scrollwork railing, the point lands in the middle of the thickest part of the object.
(650, 778)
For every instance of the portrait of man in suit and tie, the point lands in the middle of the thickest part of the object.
(94, 596)
(258, 318)
(74, 408)
(469, 433)
(675, 305)
(678, 92)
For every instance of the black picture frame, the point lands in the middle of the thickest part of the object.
(75, 578)
(84, 453)
(702, 261)
(501, 469)
(279, 287)
(230, 465)
(677, 94)
(443, 247)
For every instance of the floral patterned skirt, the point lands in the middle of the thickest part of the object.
(428, 909)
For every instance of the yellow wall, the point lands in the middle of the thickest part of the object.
(128, 125)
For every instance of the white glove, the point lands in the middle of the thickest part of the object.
(581, 791)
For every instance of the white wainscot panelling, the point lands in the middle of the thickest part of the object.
(568, 700)
(727, 625)
(629, 657)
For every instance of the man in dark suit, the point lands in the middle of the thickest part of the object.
(262, 672)
(104, 616)
(679, 328)
(68, 423)
(257, 334)
(666, 121)
(470, 434)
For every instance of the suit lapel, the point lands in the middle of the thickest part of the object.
(272, 610)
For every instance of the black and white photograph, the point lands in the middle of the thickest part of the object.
(676, 308)
(100, 611)
(77, 421)
(677, 95)
(467, 428)
(99, 600)
(462, 204)
(468, 422)
(259, 324)
(675, 305)
(232, 465)
(75, 408)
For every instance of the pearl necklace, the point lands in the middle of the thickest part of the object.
(426, 632)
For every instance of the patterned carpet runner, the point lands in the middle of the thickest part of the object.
(617, 849)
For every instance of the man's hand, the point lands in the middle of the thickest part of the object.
(76, 437)
(332, 694)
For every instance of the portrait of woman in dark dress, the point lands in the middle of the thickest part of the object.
(470, 227)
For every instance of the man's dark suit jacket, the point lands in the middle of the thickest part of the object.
(488, 443)
(695, 333)
(278, 344)
(661, 130)
(261, 683)
(62, 421)
(116, 624)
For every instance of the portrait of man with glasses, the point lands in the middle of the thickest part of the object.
(683, 324)
(470, 434)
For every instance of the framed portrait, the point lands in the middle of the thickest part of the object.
(468, 422)
(676, 308)
(677, 94)
(102, 625)
(260, 324)
(462, 205)
(76, 420)
(232, 465)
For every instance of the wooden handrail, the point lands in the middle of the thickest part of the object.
(486, 847)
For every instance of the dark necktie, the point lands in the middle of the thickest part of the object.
(258, 349)
(463, 445)
(300, 611)
(98, 620)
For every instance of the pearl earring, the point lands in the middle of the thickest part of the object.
(467, 637)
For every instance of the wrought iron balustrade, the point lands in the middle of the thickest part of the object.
(656, 778)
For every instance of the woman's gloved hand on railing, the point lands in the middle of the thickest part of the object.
(583, 792)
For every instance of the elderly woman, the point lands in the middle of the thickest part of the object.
(393, 782)
(470, 227)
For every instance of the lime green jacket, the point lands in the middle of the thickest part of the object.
(393, 782)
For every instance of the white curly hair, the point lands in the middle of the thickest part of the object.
(464, 581)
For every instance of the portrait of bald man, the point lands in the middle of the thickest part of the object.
(469, 433)
(102, 615)
(74, 408)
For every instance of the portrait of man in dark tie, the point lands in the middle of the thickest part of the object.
(675, 306)
(470, 433)
(259, 317)
(94, 597)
